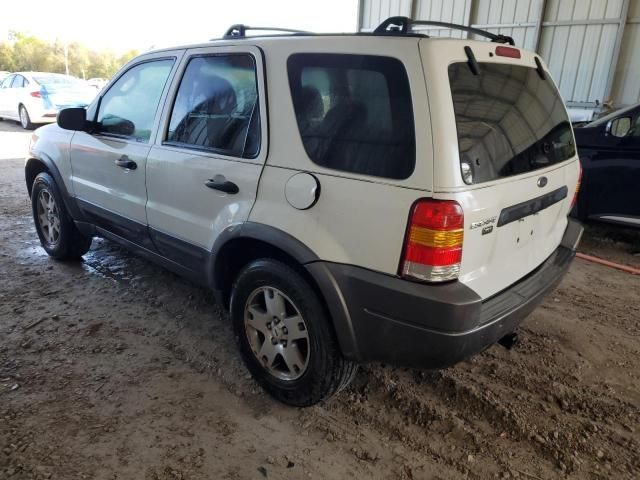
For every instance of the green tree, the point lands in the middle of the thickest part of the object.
(29, 53)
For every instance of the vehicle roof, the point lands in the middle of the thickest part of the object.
(266, 41)
(287, 38)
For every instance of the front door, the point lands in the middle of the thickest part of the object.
(203, 169)
(615, 172)
(109, 163)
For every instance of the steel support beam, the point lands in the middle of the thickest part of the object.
(360, 15)
(538, 31)
(622, 21)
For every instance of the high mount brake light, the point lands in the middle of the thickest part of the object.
(508, 52)
(433, 243)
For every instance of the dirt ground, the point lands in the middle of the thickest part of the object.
(113, 368)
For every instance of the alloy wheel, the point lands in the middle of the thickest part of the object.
(277, 333)
(48, 217)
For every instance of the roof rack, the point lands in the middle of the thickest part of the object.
(239, 31)
(403, 26)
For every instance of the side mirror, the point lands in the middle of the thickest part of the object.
(73, 119)
(619, 127)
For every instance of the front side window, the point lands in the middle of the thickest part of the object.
(354, 112)
(6, 83)
(129, 106)
(216, 106)
(509, 121)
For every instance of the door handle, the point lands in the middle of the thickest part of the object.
(126, 162)
(222, 184)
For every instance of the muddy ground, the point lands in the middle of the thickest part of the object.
(116, 369)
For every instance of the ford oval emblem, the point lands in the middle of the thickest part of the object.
(542, 182)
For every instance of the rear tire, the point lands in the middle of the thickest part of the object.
(58, 234)
(285, 336)
(25, 119)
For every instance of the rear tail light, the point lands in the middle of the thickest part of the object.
(433, 242)
(36, 94)
(575, 195)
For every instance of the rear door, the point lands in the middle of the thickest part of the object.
(109, 164)
(203, 170)
(505, 151)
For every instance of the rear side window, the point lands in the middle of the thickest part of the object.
(509, 121)
(354, 112)
(18, 82)
(216, 107)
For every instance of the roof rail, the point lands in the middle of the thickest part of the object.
(403, 25)
(239, 31)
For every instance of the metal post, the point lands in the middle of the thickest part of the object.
(467, 16)
(412, 10)
(616, 50)
(538, 32)
(360, 13)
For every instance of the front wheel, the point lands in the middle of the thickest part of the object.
(56, 230)
(285, 336)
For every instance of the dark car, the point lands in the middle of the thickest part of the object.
(609, 150)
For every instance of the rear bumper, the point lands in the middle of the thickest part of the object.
(383, 318)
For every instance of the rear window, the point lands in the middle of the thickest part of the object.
(509, 121)
(354, 113)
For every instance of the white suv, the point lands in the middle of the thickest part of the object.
(351, 198)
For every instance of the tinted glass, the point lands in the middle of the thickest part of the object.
(509, 120)
(354, 113)
(129, 106)
(216, 107)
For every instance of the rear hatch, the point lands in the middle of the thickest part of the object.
(504, 150)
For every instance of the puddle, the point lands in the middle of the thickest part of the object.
(110, 261)
(105, 259)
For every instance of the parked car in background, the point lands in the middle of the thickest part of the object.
(609, 150)
(98, 83)
(36, 97)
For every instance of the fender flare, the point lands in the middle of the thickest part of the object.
(69, 201)
(326, 284)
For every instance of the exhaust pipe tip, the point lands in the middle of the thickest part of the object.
(509, 341)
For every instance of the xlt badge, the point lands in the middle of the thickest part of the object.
(483, 223)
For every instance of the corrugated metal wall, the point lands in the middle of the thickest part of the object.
(593, 53)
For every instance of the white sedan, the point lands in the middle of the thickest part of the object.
(36, 97)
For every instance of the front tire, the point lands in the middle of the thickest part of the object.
(285, 336)
(58, 234)
(25, 119)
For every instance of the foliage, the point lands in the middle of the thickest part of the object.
(29, 53)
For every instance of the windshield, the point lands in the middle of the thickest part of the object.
(611, 116)
(54, 79)
(509, 121)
